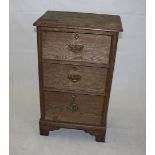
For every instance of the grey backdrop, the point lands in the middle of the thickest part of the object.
(126, 117)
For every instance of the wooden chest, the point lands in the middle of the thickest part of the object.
(76, 56)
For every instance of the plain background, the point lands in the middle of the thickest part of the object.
(126, 117)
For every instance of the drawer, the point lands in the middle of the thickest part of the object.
(74, 78)
(89, 48)
(67, 107)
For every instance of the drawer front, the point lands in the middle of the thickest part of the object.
(67, 107)
(76, 47)
(74, 78)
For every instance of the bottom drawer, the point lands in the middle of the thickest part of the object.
(67, 107)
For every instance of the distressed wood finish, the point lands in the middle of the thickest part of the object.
(78, 20)
(75, 87)
(90, 108)
(97, 131)
(96, 47)
(56, 76)
(39, 45)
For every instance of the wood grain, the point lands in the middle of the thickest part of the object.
(80, 21)
(75, 63)
(80, 31)
(39, 46)
(92, 79)
(89, 110)
(110, 76)
(96, 47)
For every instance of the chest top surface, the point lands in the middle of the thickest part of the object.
(78, 20)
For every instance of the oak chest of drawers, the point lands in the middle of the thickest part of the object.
(76, 56)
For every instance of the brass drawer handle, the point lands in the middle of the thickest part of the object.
(74, 76)
(72, 106)
(76, 48)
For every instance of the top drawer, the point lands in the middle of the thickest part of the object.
(89, 48)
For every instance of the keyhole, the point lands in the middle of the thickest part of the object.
(76, 35)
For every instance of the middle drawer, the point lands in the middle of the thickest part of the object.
(80, 79)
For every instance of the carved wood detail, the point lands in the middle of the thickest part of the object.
(99, 134)
(44, 130)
